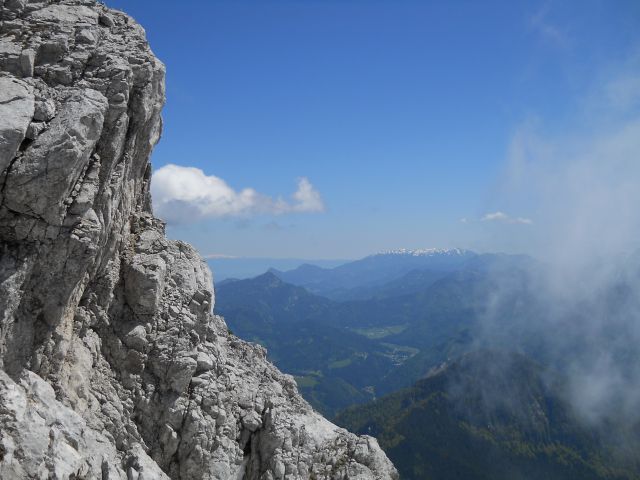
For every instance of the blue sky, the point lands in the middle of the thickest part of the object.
(402, 119)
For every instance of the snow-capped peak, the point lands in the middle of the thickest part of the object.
(426, 252)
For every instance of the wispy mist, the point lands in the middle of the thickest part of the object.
(579, 310)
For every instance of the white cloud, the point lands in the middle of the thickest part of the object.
(489, 217)
(217, 256)
(503, 217)
(186, 194)
(307, 198)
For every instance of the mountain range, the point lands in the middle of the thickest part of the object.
(237, 268)
(364, 278)
(463, 365)
(351, 351)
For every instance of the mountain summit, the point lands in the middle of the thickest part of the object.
(427, 252)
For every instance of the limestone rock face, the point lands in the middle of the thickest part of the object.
(42, 438)
(112, 364)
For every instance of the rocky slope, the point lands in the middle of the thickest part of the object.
(112, 364)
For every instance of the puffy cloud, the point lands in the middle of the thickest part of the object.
(186, 194)
(307, 198)
(503, 217)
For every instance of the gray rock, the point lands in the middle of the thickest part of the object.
(45, 110)
(204, 362)
(144, 283)
(42, 438)
(27, 62)
(112, 364)
(16, 112)
(35, 129)
(53, 164)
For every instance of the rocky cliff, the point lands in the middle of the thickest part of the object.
(112, 363)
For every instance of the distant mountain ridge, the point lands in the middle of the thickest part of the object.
(345, 352)
(248, 267)
(424, 252)
(362, 278)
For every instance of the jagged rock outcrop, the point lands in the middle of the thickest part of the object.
(112, 363)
